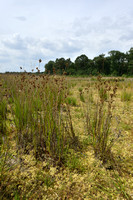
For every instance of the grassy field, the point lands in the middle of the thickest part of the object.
(65, 138)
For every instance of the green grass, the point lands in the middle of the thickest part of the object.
(71, 101)
(82, 98)
(126, 96)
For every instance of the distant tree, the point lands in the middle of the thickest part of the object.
(107, 64)
(118, 62)
(60, 65)
(49, 67)
(90, 67)
(81, 64)
(64, 66)
(99, 63)
(130, 61)
(70, 67)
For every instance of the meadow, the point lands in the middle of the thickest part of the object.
(65, 138)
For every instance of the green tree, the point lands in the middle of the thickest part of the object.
(118, 64)
(49, 67)
(70, 67)
(81, 64)
(60, 65)
(99, 64)
(107, 64)
(130, 61)
(90, 67)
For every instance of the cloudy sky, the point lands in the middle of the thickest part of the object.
(48, 29)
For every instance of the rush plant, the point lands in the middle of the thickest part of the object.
(41, 123)
(99, 118)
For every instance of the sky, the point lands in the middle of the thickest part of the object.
(48, 29)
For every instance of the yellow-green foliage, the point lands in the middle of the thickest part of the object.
(65, 138)
(126, 95)
(71, 100)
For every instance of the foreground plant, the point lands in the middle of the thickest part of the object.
(42, 158)
(3, 112)
(38, 110)
(98, 121)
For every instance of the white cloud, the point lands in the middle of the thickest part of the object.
(24, 50)
(53, 29)
(21, 18)
(15, 43)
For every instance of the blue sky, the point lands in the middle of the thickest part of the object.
(48, 29)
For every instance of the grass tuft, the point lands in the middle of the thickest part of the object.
(126, 96)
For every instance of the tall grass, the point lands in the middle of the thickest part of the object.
(41, 123)
(38, 112)
(3, 111)
(126, 96)
(4, 141)
(99, 117)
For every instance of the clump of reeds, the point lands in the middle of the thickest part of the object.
(99, 118)
(4, 144)
(3, 111)
(39, 117)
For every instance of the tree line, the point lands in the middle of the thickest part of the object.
(115, 64)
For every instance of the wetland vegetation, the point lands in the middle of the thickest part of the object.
(65, 138)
